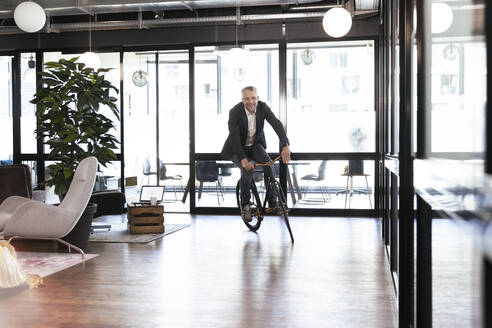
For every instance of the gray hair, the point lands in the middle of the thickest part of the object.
(248, 88)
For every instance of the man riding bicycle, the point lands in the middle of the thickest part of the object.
(246, 142)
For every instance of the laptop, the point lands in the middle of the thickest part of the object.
(147, 192)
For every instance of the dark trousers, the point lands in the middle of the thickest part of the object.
(256, 154)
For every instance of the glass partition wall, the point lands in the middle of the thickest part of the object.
(330, 121)
(219, 78)
(331, 90)
(156, 116)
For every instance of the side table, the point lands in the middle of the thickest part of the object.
(145, 218)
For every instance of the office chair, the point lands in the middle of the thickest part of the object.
(164, 177)
(319, 177)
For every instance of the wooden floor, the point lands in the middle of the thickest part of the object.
(217, 274)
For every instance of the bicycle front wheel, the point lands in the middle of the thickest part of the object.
(282, 206)
(256, 208)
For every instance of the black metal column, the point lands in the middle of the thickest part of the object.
(487, 294)
(406, 216)
(122, 124)
(488, 123)
(40, 163)
(424, 60)
(191, 180)
(386, 207)
(394, 224)
(282, 90)
(378, 105)
(16, 106)
(424, 264)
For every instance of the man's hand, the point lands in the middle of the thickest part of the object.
(247, 165)
(285, 155)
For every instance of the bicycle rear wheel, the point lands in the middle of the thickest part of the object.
(256, 207)
(282, 206)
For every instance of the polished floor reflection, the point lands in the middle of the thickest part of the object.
(216, 273)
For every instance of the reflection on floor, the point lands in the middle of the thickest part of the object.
(216, 273)
(457, 266)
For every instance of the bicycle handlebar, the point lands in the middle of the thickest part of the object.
(270, 163)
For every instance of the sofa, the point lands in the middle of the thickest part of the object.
(15, 180)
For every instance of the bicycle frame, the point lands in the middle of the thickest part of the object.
(271, 186)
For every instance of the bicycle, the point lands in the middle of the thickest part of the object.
(258, 208)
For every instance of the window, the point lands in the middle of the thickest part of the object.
(225, 77)
(350, 85)
(334, 102)
(28, 89)
(338, 107)
(458, 96)
(449, 84)
(338, 60)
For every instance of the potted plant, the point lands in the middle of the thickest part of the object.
(68, 103)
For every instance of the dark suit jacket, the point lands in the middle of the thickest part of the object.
(238, 129)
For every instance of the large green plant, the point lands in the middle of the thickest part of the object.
(69, 98)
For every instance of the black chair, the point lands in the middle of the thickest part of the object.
(164, 177)
(225, 170)
(208, 171)
(146, 172)
(355, 168)
(319, 177)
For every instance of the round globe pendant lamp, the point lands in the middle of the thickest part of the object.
(89, 58)
(337, 22)
(442, 17)
(237, 56)
(29, 16)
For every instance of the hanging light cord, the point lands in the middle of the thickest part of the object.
(238, 21)
(90, 34)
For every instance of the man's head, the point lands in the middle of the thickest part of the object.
(249, 99)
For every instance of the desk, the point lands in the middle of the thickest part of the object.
(293, 183)
(220, 164)
(291, 179)
(349, 189)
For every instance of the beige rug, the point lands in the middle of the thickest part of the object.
(119, 234)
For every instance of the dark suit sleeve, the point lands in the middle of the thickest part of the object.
(276, 125)
(234, 136)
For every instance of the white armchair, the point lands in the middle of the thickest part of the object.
(30, 219)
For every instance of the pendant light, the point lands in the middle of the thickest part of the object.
(30, 72)
(29, 16)
(337, 21)
(139, 77)
(307, 56)
(237, 56)
(89, 58)
(442, 17)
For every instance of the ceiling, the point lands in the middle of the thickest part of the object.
(73, 15)
(83, 7)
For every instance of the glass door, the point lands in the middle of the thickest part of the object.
(173, 130)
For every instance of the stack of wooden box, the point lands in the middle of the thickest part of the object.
(143, 218)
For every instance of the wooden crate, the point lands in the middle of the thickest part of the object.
(145, 219)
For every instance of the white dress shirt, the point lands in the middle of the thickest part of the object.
(251, 127)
